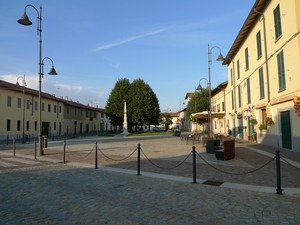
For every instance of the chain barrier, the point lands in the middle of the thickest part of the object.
(166, 168)
(283, 159)
(81, 158)
(118, 160)
(231, 173)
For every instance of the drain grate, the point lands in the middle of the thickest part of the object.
(213, 183)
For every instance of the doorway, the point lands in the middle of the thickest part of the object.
(286, 132)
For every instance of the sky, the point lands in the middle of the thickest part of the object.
(93, 43)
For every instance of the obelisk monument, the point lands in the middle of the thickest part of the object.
(125, 125)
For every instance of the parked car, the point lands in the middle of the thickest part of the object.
(175, 129)
(158, 129)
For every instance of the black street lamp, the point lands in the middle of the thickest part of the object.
(25, 21)
(220, 58)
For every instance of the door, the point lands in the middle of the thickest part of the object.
(45, 128)
(286, 130)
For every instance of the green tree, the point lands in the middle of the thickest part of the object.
(166, 119)
(198, 103)
(115, 103)
(144, 106)
(142, 103)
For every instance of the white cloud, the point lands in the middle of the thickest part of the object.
(69, 88)
(83, 94)
(127, 40)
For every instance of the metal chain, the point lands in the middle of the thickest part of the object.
(165, 168)
(82, 158)
(252, 171)
(290, 163)
(117, 159)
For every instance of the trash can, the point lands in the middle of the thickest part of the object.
(45, 142)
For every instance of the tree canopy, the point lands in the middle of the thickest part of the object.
(198, 103)
(142, 103)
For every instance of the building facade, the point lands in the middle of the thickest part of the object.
(218, 101)
(19, 112)
(263, 88)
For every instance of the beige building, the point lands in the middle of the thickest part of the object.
(19, 115)
(263, 75)
(218, 101)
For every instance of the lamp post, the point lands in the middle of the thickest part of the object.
(220, 58)
(23, 110)
(198, 89)
(24, 20)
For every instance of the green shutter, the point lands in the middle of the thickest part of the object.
(277, 22)
(248, 91)
(239, 93)
(258, 43)
(246, 59)
(238, 69)
(232, 99)
(261, 83)
(281, 71)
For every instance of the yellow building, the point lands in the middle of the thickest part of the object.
(218, 102)
(263, 75)
(60, 117)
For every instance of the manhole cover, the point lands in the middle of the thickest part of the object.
(214, 183)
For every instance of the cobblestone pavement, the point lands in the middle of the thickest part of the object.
(50, 192)
(165, 155)
(59, 194)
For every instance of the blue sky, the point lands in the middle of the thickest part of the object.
(94, 43)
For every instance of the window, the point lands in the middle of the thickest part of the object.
(246, 59)
(19, 103)
(232, 100)
(28, 104)
(223, 106)
(54, 126)
(59, 109)
(231, 77)
(54, 108)
(238, 69)
(27, 125)
(8, 125)
(218, 107)
(277, 22)
(261, 83)
(35, 125)
(239, 95)
(281, 71)
(8, 101)
(248, 91)
(49, 108)
(35, 106)
(258, 43)
(18, 125)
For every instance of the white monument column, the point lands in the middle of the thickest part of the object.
(125, 126)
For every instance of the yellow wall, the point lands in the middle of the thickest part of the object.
(280, 100)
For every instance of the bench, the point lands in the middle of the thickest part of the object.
(227, 152)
